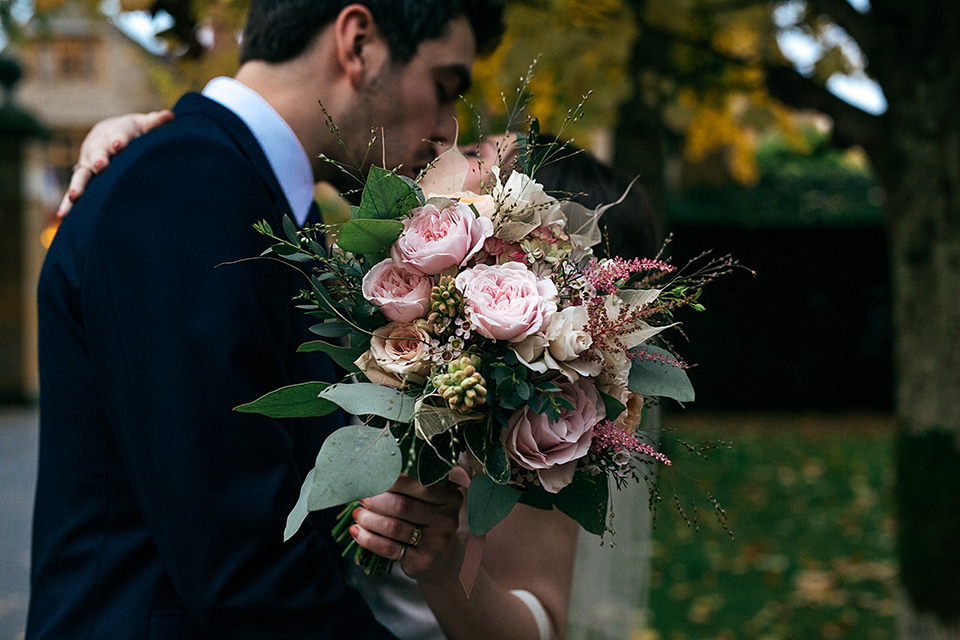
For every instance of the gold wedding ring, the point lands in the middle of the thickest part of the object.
(415, 538)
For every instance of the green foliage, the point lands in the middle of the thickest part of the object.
(488, 503)
(365, 399)
(515, 388)
(355, 461)
(369, 236)
(387, 196)
(343, 356)
(660, 376)
(585, 500)
(294, 401)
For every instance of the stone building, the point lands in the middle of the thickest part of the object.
(78, 68)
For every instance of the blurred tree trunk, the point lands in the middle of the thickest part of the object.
(913, 52)
(920, 173)
(641, 138)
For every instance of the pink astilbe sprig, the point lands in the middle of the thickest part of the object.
(644, 355)
(612, 449)
(605, 276)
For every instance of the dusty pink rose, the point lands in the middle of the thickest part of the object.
(506, 301)
(398, 352)
(435, 239)
(552, 449)
(401, 294)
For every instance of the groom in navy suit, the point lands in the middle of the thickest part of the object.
(160, 510)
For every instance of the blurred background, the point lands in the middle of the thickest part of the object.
(814, 492)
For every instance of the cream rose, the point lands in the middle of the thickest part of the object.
(567, 334)
(398, 351)
(506, 301)
(520, 191)
(434, 239)
(553, 448)
(401, 294)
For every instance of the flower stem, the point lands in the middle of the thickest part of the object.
(371, 563)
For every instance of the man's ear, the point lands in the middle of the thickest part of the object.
(361, 50)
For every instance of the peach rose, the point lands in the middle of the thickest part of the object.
(484, 203)
(401, 294)
(435, 239)
(398, 351)
(506, 301)
(553, 448)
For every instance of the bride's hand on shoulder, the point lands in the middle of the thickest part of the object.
(414, 524)
(106, 139)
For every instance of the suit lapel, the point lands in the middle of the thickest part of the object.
(240, 134)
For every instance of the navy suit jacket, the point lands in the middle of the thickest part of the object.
(160, 510)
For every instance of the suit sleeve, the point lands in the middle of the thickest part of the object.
(181, 333)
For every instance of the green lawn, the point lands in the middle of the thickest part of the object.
(808, 501)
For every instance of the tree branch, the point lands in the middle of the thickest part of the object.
(856, 24)
(851, 125)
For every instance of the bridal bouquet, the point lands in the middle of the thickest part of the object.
(480, 330)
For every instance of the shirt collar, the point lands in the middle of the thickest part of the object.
(279, 143)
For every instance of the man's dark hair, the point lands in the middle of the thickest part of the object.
(280, 30)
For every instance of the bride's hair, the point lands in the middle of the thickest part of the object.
(280, 30)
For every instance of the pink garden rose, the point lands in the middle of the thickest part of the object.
(435, 239)
(506, 301)
(552, 449)
(398, 351)
(401, 294)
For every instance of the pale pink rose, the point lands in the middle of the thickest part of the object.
(401, 294)
(506, 301)
(398, 351)
(435, 239)
(552, 449)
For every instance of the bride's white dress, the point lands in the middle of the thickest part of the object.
(610, 582)
(397, 603)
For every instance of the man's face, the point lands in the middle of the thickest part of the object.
(410, 107)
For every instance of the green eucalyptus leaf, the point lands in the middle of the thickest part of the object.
(386, 196)
(658, 377)
(585, 500)
(331, 329)
(294, 401)
(355, 461)
(364, 398)
(488, 503)
(369, 236)
(343, 356)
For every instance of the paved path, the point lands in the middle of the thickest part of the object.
(18, 452)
